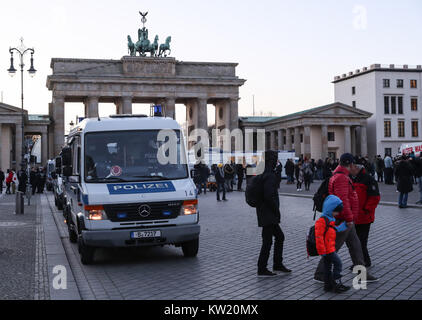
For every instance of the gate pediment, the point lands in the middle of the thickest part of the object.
(149, 67)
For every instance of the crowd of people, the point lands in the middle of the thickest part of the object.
(17, 181)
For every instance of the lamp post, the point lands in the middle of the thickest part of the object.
(21, 51)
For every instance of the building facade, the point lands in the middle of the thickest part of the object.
(393, 95)
(11, 135)
(317, 133)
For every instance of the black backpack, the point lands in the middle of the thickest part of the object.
(254, 193)
(311, 240)
(320, 195)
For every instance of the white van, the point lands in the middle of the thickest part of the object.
(117, 192)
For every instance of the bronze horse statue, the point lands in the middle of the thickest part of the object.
(164, 48)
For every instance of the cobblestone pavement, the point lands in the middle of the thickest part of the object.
(226, 264)
(388, 192)
(17, 250)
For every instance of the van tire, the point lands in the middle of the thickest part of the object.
(86, 252)
(190, 248)
(73, 236)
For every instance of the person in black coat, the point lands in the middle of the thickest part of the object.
(240, 172)
(268, 214)
(221, 182)
(404, 178)
(417, 165)
(2, 177)
(290, 170)
(204, 173)
(33, 179)
(23, 179)
(278, 172)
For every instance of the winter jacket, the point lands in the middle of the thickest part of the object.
(326, 238)
(219, 175)
(268, 211)
(289, 168)
(417, 167)
(404, 176)
(341, 186)
(369, 196)
(9, 177)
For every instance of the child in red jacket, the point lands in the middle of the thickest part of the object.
(325, 236)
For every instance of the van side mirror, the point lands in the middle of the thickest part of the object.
(66, 156)
(58, 165)
(67, 171)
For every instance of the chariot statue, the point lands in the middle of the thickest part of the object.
(144, 45)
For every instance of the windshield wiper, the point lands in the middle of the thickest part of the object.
(108, 179)
(152, 177)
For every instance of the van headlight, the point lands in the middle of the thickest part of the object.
(95, 213)
(189, 207)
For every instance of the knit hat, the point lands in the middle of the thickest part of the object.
(346, 159)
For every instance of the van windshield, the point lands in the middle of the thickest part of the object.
(122, 156)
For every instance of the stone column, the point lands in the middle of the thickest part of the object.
(124, 105)
(44, 147)
(324, 142)
(234, 114)
(298, 149)
(51, 132)
(272, 140)
(18, 144)
(353, 140)
(280, 139)
(91, 107)
(202, 114)
(307, 142)
(363, 141)
(222, 114)
(288, 139)
(170, 108)
(58, 119)
(347, 140)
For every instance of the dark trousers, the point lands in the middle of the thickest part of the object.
(1, 186)
(380, 176)
(332, 267)
(200, 186)
(388, 175)
(7, 187)
(268, 232)
(221, 187)
(362, 230)
(239, 182)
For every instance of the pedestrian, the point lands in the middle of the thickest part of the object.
(307, 174)
(369, 197)
(380, 168)
(33, 180)
(23, 179)
(240, 171)
(326, 169)
(41, 180)
(9, 179)
(278, 172)
(341, 186)
(417, 163)
(299, 175)
(14, 181)
(204, 173)
(268, 214)
(290, 170)
(325, 236)
(404, 176)
(319, 169)
(388, 170)
(221, 182)
(228, 176)
(2, 178)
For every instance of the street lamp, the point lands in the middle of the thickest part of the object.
(21, 51)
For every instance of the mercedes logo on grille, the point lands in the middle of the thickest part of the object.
(144, 210)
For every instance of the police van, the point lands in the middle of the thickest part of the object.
(120, 194)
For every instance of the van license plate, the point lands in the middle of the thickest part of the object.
(145, 234)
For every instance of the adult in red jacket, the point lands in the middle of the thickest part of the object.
(369, 196)
(341, 186)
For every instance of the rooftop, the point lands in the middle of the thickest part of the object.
(378, 67)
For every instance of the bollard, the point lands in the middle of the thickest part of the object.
(19, 202)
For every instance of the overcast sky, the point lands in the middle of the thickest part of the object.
(289, 51)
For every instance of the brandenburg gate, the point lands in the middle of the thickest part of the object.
(143, 79)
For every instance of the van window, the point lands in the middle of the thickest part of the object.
(129, 156)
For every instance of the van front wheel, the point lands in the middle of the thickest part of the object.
(86, 252)
(190, 249)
